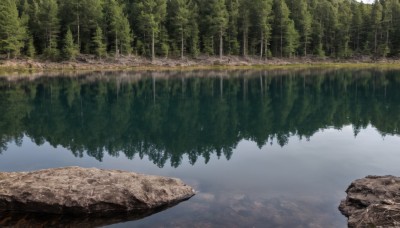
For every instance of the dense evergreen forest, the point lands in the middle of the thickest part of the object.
(60, 29)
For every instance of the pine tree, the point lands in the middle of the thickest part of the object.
(163, 43)
(69, 48)
(118, 28)
(232, 31)
(194, 30)
(48, 22)
(302, 18)
(98, 44)
(126, 36)
(219, 21)
(82, 16)
(150, 15)
(389, 12)
(30, 48)
(344, 26)
(180, 19)
(262, 10)
(286, 40)
(244, 24)
(325, 27)
(394, 37)
(291, 40)
(376, 18)
(11, 31)
(356, 23)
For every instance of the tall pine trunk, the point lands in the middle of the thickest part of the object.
(305, 46)
(152, 46)
(116, 43)
(245, 42)
(8, 50)
(79, 33)
(387, 37)
(182, 44)
(376, 41)
(281, 41)
(221, 43)
(261, 45)
(358, 39)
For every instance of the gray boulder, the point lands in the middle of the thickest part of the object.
(373, 201)
(78, 191)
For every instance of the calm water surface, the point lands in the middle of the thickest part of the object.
(264, 149)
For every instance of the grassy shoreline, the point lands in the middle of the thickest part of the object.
(29, 66)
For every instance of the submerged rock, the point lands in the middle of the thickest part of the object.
(78, 191)
(373, 201)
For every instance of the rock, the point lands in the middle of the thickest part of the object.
(373, 201)
(78, 191)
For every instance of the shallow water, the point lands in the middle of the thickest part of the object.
(264, 149)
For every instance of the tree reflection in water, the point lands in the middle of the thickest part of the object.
(167, 116)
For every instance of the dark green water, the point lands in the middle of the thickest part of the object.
(264, 149)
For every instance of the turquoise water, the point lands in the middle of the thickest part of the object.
(263, 149)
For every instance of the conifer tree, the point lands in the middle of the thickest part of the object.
(356, 22)
(11, 31)
(150, 14)
(391, 9)
(286, 39)
(118, 28)
(98, 44)
(292, 39)
(82, 16)
(194, 29)
(376, 18)
(232, 31)
(302, 18)
(344, 27)
(30, 48)
(48, 22)
(262, 10)
(69, 48)
(180, 19)
(394, 36)
(244, 24)
(219, 21)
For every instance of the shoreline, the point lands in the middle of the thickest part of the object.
(203, 63)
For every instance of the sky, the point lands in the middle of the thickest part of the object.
(366, 1)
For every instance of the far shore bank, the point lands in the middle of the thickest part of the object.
(204, 62)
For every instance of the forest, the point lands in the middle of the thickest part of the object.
(62, 30)
(167, 119)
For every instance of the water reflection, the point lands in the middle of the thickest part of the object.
(169, 117)
(22, 220)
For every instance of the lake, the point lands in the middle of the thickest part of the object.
(262, 148)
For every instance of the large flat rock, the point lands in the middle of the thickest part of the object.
(373, 201)
(75, 190)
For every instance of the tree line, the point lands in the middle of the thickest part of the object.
(168, 119)
(58, 29)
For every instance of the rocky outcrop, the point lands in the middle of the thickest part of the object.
(77, 191)
(373, 201)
